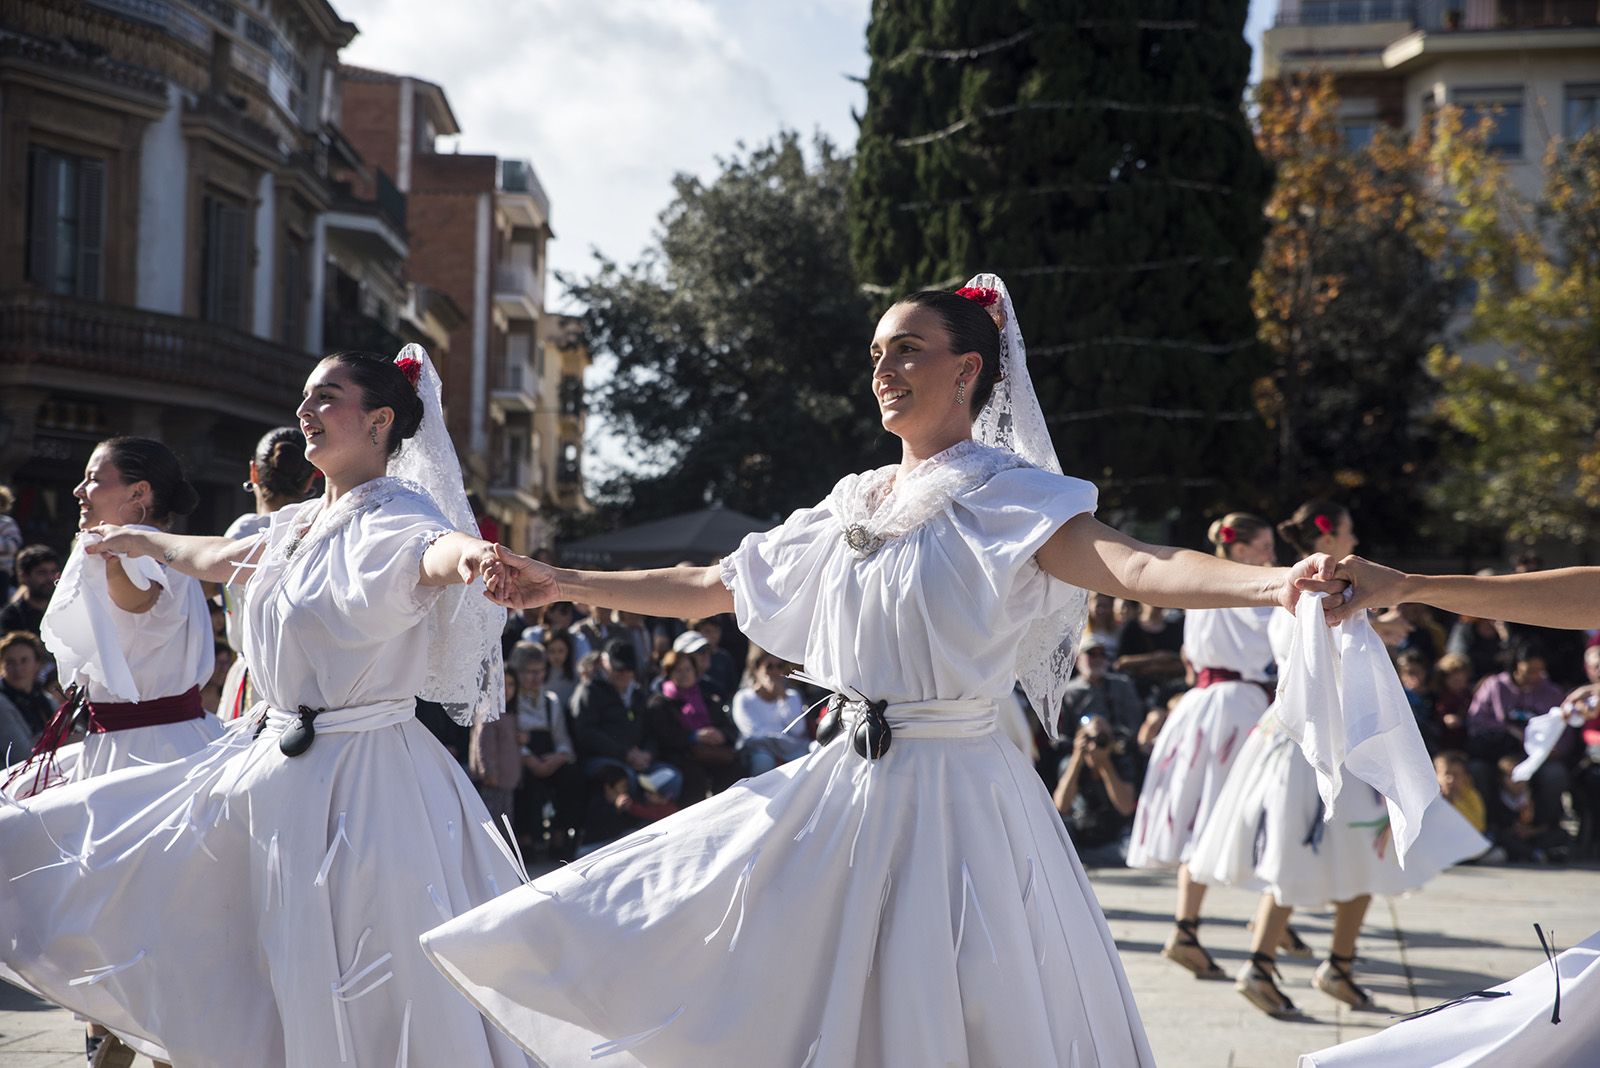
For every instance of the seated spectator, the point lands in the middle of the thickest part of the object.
(1150, 647)
(1483, 642)
(24, 708)
(1095, 690)
(38, 570)
(1450, 767)
(768, 715)
(1096, 795)
(494, 759)
(1501, 709)
(558, 617)
(614, 811)
(610, 733)
(692, 729)
(548, 770)
(1416, 678)
(717, 668)
(1514, 822)
(1452, 699)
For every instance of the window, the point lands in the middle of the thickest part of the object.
(1503, 108)
(66, 222)
(222, 262)
(1358, 133)
(1583, 110)
(292, 319)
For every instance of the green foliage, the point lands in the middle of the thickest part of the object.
(740, 342)
(1351, 293)
(1529, 423)
(1095, 155)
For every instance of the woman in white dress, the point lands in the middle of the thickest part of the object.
(912, 877)
(132, 638)
(1515, 1023)
(280, 475)
(1232, 661)
(1268, 830)
(257, 905)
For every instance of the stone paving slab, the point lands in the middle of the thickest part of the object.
(1470, 928)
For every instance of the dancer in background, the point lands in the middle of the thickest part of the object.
(1193, 754)
(280, 475)
(1268, 830)
(258, 904)
(911, 876)
(1536, 1018)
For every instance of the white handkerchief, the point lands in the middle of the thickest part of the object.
(1539, 741)
(1340, 699)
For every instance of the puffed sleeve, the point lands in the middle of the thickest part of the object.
(1009, 518)
(776, 579)
(384, 561)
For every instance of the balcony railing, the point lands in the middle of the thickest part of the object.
(517, 176)
(110, 342)
(387, 203)
(518, 279)
(1348, 12)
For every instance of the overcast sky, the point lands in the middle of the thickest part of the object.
(610, 99)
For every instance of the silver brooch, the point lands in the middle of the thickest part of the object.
(861, 540)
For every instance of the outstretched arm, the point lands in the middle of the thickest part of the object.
(682, 592)
(210, 559)
(455, 558)
(1087, 553)
(1567, 597)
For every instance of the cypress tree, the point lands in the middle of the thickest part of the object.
(1096, 156)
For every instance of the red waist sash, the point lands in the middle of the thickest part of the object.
(107, 716)
(1212, 676)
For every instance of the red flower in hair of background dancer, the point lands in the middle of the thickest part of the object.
(982, 295)
(1228, 535)
(411, 367)
(1323, 524)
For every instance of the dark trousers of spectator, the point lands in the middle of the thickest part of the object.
(1547, 785)
(567, 791)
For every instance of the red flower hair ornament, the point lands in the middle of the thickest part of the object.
(1228, 535)
(1323, 524)
(988, 299)
(411, 367)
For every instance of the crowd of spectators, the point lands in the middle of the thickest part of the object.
(615, 720)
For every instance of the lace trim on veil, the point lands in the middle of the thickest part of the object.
(1013, 420)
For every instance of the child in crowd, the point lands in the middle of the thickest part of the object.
(1455, 783)
(614, 812)
(1416, 676)
(1512, 823)
(1451, 700)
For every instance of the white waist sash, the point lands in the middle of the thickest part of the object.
(346, 720)
(966, 718)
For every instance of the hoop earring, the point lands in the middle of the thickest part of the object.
(372, 432)
(961, 393)
(247, 486)
(144, 514)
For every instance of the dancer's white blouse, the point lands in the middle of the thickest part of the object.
(124, 656)
(935, 614)
(334, 624)
(1231, 638)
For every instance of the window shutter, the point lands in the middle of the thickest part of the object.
(230, 274)
(41, 214)
(91, 228)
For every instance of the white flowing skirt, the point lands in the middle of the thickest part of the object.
(1267, 832)
(98, 754)
(1489, 1033)
(242, 909)
(1191, 761)
(924, 910)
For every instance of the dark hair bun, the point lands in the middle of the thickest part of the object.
(185, 499)
(281, 465)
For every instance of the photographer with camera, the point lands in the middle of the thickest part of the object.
(1096, 794)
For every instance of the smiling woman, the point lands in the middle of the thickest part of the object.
(916, 880)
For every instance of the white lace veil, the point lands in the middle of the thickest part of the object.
(1012, 419)
(465, 671)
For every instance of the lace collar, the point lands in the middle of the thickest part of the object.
(326, 519)
(890, 502)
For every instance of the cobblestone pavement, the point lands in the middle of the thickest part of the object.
(1470, 927)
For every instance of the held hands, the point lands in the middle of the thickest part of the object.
(1314, 574)
(517, 581)
(1371, 586)
(476, 561)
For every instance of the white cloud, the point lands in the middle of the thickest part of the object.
(611, 99)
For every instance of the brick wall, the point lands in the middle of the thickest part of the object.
(369, 115)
